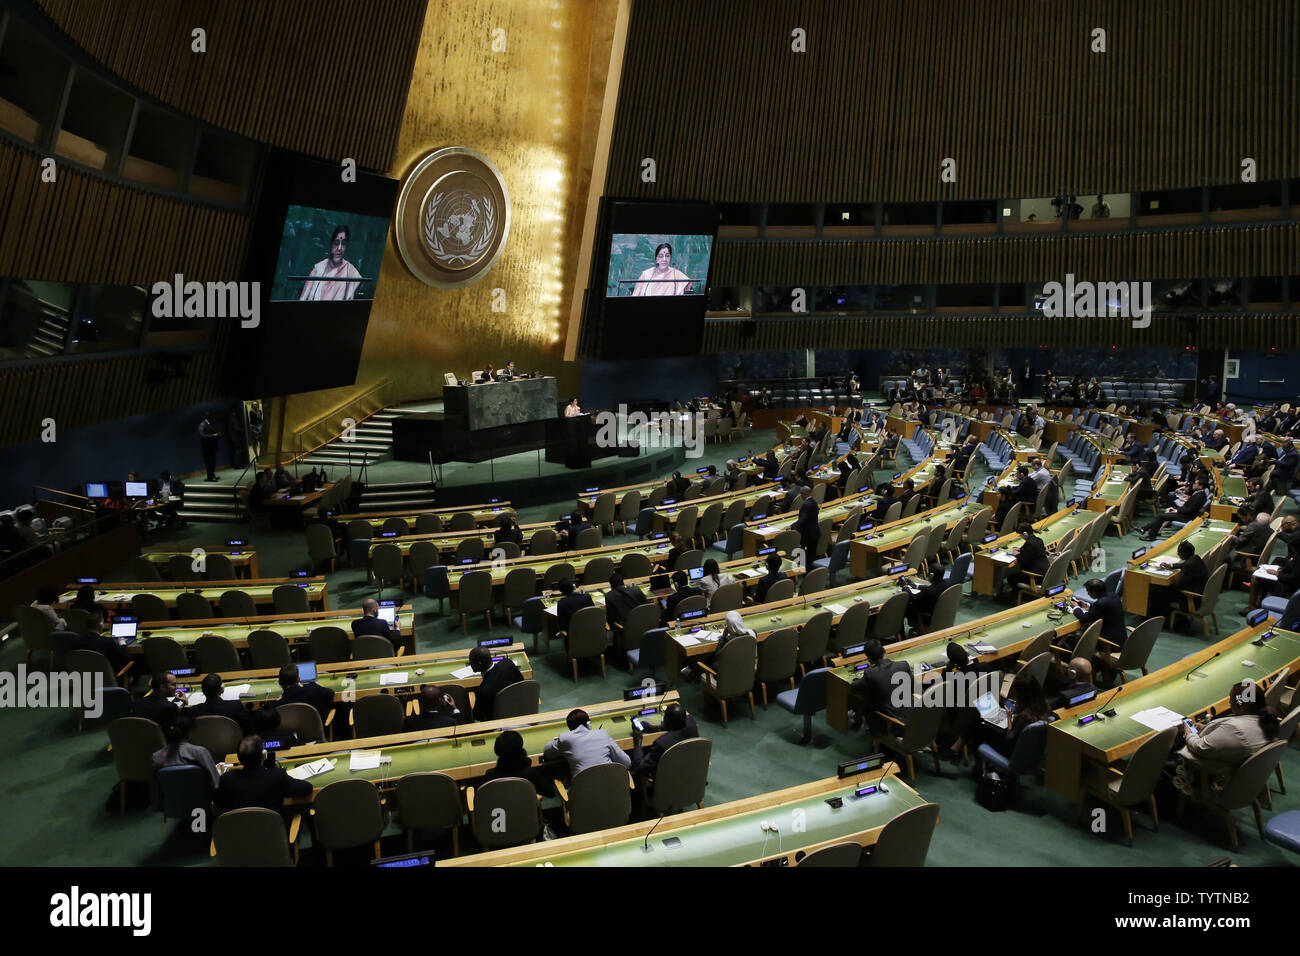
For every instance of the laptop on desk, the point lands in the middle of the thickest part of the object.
(661, 585)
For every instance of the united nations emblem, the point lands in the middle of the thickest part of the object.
(453, 217)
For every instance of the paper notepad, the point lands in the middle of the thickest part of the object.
(235, 691)
(313, 769)
(1158, 718)
(461, 673)
(1267, 572)
(1006, 557)
(688, 640)
(747, 574)
(398, 677)
(364, 760)
(836, 609)
(982, 648)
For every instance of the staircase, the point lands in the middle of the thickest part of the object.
(51, 334)
(210, 501)
(399, 496)
(373, 440)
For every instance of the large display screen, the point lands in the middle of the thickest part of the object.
(653, 261)
(316, 251)
(328, 256)
(655, 264)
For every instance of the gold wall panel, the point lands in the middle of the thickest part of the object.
(530, 110)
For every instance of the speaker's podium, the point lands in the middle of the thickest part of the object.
(479, 422)
(573, 442)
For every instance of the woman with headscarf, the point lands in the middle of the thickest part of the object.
(733, 628)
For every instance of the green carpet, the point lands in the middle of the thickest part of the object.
(60, 810)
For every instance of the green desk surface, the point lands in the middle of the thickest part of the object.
(1049, 531)
(1115, 485)
(655, 552)
(261, 593)
(761, 619)
(901, 532)
(736, 839)
(748, 495)
(161, 552)
(932, 650)
(469, 748)
(368, 679)
(1179, 693)
(1208, 535)
(734, 568)
(479, 514)
(837, 510)
(1232, 486)
(289, 629)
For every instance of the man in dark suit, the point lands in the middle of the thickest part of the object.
(620, 599)
(253, 785)
(677, 486)
(573, 600)
(961, 460)
(157, 706)
(773, 575)
(677, 726)
(1006, 501)
(884, 498)
(1289, 534)
(1031, 556)
(437, 710)
(294, 691)
(1078, 683)
(882, 686)
(683, 590)
(806, 524)
(1260, 500)
(908, 493)
(1105, 608)
(1187, 511)
(214, 705)
(371, 623)
(1026, 489)
(1192, 577)
(495, 676)
(1133, 450)
(770, 465)
(1250, 540)
(95, 640)
(1285, 469)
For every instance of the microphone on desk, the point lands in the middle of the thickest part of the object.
(1201, 664)
(1113, 694)
(645, 846)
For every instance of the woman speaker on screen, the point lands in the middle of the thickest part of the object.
(662, 278)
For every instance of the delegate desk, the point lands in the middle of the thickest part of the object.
(285, 508)
(699, 638)
(244, 559)
(1150, 569)
(996, 558)
(1077, 755)
(747, 572)
(657, 552)
(1109, 488)
(296, 629)
(465, 752)
(117, 596)
(666, 514)
(998, 637)
(730, 834)
(1231, 494)
(868, 551)
(352, 680)
(485, 516)
(762, 532)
